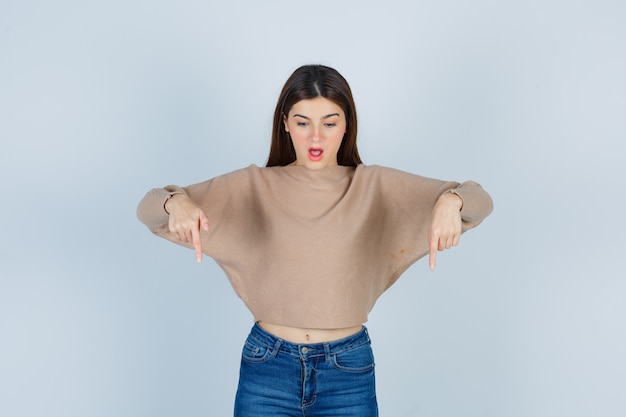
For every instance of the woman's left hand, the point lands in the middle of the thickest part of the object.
(445, 227)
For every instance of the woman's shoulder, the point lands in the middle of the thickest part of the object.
(229, 180)
(385, 172)
(239, 173)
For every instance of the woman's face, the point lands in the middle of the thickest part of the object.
(316, 127)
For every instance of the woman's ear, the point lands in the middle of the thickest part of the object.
(285, 123)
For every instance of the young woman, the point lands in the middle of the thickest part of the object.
(309, 243)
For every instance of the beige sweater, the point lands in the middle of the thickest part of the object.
(315, 249)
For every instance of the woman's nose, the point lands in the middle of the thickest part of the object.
(315, 135)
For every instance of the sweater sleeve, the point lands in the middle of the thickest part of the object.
(224, 199)
(408, 203)
(151, 211)
(477, 204)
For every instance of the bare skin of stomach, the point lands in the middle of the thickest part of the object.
(299, 336)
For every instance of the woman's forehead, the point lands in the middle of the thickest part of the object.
(316, 107)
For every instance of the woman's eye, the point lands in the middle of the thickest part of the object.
(330, 124)
(302, 123)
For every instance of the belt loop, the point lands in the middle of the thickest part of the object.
(327, 352)
(276, 348)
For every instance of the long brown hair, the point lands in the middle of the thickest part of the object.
(308, 82)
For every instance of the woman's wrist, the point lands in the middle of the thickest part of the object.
(454, 198)
(167, 205)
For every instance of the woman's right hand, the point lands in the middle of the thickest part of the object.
(186, 220)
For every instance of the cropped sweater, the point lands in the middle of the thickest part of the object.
(315, 248)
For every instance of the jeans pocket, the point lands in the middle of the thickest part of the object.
(358, 359)
(255, 352)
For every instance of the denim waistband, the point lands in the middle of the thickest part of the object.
(277, 344)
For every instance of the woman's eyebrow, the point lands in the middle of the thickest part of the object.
(308, 118)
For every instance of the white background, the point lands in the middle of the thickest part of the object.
(102, 100)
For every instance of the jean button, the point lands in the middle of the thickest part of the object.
(304, 350)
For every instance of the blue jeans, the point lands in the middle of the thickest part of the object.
(279, 378)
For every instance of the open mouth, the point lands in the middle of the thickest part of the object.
(315, 154)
